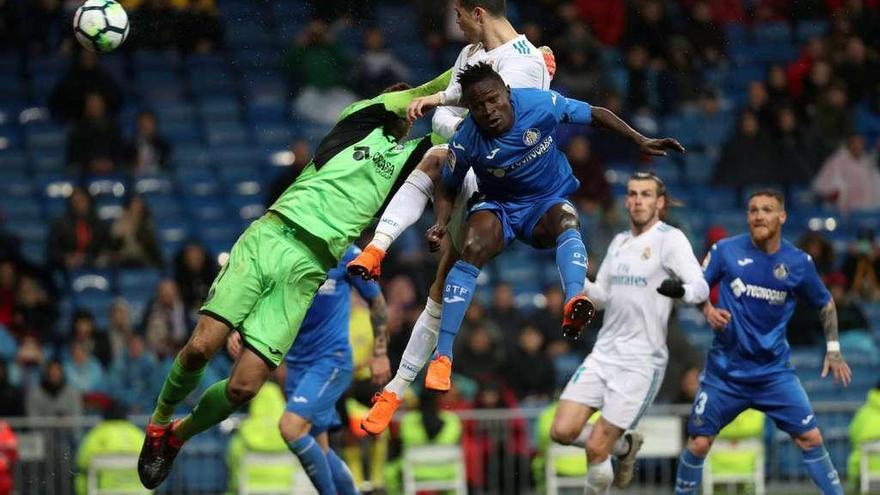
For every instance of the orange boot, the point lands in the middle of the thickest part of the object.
(439, 376)
(578, 313)
(385, 403)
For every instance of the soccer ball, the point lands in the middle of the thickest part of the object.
(100, 25)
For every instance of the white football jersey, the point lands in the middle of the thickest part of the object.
(519, 63)
(636, 315)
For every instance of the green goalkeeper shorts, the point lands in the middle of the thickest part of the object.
(266, 287)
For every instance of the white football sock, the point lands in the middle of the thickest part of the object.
(404, 209)
(599, 477)
(620, 447)
(418, 350)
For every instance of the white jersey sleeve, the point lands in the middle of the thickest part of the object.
(678, 258)
(598, 291)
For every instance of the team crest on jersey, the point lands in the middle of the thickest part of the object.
(780, 271)
(646, 254)
(531, 136)
(498, 172)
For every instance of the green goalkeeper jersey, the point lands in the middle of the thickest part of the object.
(355, 169)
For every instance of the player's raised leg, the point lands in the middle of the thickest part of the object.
(559, 227)
(404, 209)
(185, 375)
(484, 239)
(421, 344)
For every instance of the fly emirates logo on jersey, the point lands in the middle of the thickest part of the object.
(624, 277)
(772, 296)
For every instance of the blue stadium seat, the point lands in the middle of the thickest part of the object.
(218, 109)
(226, 133)
(769, 33)
(221, 231)
(10, 139)
(736, 34)
(161, 92)
(86, 280)
(32, 231)
(20, 209)
(163, 207)
(153, 185)
(45, 137)
(191, 156)
(267, 93)
(98, 303)
(274, 135)
(47, 160)
(206, 208)
(180, 113)
(698, 167)
(14, 161)
(242, 35)
(810, 29)
(261, 114)
(207, 62)
(248, 208)
(263, 59)
(180, 133)
(212, 83)
(47, 64)
(156, 76)
(173, 230)
(774, 53)
(17, 188)
(131, 280)
(145, 60)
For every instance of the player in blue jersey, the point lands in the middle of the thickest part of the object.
(319, 371)
(760, 276)
(509, 140)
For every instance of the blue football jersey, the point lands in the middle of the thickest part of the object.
(324, 331)
(524, 163)
(759, 290)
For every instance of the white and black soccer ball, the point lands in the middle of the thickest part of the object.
(100, 25)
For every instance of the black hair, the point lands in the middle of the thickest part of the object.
(495, 7)
(473, 74)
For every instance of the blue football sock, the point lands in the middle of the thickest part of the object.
(818, 464)
(457, 295)
(571, 259)
(341, 475)
(314, 462)
(689, 473)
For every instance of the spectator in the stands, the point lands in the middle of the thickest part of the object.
(747, 158)
(54, 396)
(796, 150)
(676, 80)
(817, 82)
(148, 151)
(94, 144)
(595, 191)
(705, 35)
(154, 25)
(479, 355)
(83, 370)
(78, 237)
(377, 68)
(857, 70)
(850, 315)
(194, 272)
(649, 26)
(862, 265)
(83, 78)
(606, 18)
(119, 327)
(11, 397)
(832, 118)
(301, 153)
(777, 86)
(9, 25)
(530, 372)
(850, 178)
(639, 95)
(165, 318)
(818, 247)
(199, 29)
(8, 281)
(35, 311)
(95, 342)
(813, 52)
(315, 66)
(503, 307)
(580, 68)
(131, 376)
(477, 316)
(758, 103)
(133, 237)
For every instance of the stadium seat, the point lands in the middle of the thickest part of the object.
(190, 156)
(130, 280)
(207, 62)
(47, 160)
(196, 182)
(183, 113)
(13, 186)
(220, 83)
(226, 133)
(771, 33)
(106, 187)
(737, 455)
(145, 60)
(810, 29)
(218, 109)
(249, 208)
(29, 232)
(206, 208)
(20, 209)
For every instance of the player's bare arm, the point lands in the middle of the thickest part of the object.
(379, 364)
(443, 202)
(606, 119)
(833, 358)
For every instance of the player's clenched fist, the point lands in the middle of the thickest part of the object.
(434, 235)
(717, 318)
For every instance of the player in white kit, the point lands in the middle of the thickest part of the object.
(520, 64)
(644, 270)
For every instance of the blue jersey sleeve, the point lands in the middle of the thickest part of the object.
(569, 110)
(811, 287)
(457, 164)
(713, 267)
(368, 289)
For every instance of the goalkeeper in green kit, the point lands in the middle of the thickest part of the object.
(278, 263)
